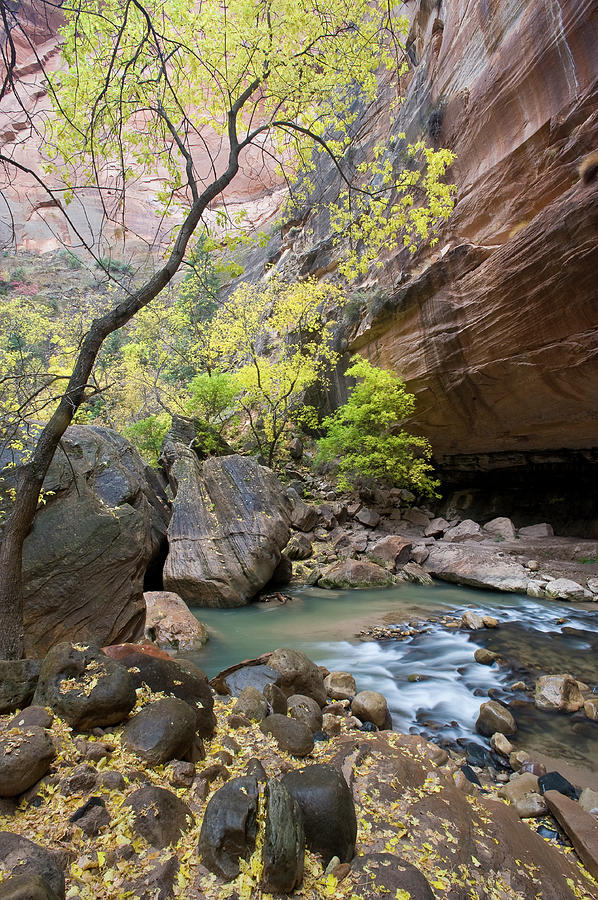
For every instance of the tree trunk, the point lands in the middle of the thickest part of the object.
(32, 475)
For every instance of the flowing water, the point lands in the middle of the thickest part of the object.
(444, 704)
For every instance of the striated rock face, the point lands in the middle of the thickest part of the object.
(229, 525)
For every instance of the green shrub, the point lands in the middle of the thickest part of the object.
(70, 260)
(365, 436)
(114, 266)
(148, 435)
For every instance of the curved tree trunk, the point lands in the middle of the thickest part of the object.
(32, 475)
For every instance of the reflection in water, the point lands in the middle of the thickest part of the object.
(444, 704)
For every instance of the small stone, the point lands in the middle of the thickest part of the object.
(485, 657)
(472, 620)
(91, 817)
(554, 781)
(560, 692)
(25, 756)
(334, 862)
(181, 773)
(589, 801)
(371, 706)
(501, 744)
(532, 564)
(535, 768)
(518, 787)
(275, 699)
(436, 528)
(468, 530)
(340, 685)
(420, 554)
(531, 805)
(517, 758)
(368, 517)
(292, 736)
(306, 710)
(160, 817)
(251, 704)
(31, 715)
(490, 622)
(495, 717)
(518, 686)
(331, 724)
(590, 707)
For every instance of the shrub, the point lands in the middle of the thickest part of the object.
(116, 266)
(148, 435)
(365, 436)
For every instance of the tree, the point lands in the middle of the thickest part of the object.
(279, 343)
(145, 84)
(366, 437)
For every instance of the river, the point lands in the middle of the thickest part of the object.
(444, 704)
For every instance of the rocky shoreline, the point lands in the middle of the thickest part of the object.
(126, 773)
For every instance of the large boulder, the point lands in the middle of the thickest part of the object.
(20, 856)
(290, 734)
(160, 817)
(284, 841)
(84, 686)
(229, 525)
(477, 567)
(493, 718)
(298, 674)
(161, 731)
(103, 521)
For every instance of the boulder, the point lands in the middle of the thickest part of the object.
(26, 887)
(468, 530)
(170, 624)
(292, 736)
(284, 841)
(299, 547)
(31, 715)
(180, 678)
(355, 573)
(229, 827)
(565, 589)
(156, 883)
(416, 516)
(537, 531)
(91, 817)
(21, 856)
(554, 781)
(161, 731)
(477, 567)
(25, 756)
(340, 685)
(304, 517)
(251, 673)
(160, 817)
(18, 680)
(436, 527)
(102, 524)
(495, 717)
(275, 698)
(500, 743)
(368, 517)
(416, 575)
(580, 827)
(298, 674)
(502, 527)
(229, 525)
(84, 686)
(328, 810)
(295, 448)
(384, 874)
(252, 704)
(420, 554)
(306, 710)
(393, 550)
(560, 692)
(530, 806)
(370, 706)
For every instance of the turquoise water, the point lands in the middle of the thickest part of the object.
(445, 703)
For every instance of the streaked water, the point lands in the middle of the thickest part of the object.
(445, 703)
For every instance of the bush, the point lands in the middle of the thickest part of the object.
(365, 436)
(70, 260)
(148, 435)
(116, 266)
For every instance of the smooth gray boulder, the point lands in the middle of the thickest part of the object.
(229, 525)
(477, 567)
(103, 521)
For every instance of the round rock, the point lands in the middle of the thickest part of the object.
(162, 731)
(160, 816)
(25, 756)
(292, 736)
(306, 710)
(84, 686)
(19, 856)
(252, 704)
(383, 874)
(370, 706)
(340, 685)
(26, 887)
(299, 674)
(495, 717)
